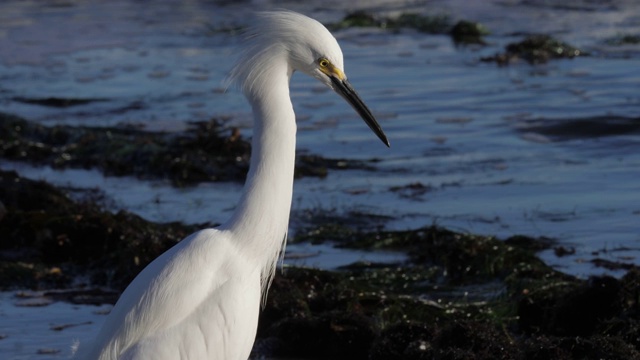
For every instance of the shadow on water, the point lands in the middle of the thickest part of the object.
(582, 128)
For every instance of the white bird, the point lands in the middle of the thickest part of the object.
(201, 298)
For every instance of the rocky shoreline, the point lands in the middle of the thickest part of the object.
(457, 296)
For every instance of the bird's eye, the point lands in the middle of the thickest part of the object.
(323, 62)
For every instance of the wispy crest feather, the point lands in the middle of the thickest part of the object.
(275, 34)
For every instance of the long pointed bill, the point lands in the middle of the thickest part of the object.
(343, 87)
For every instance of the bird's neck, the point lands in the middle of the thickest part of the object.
(261, 219)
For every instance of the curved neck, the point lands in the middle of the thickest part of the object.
(261, 219)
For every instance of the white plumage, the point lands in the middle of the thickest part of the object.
(201, 299)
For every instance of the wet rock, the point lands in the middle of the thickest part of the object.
(612, 265)
(311, 312)
(405, 341)
(624, 39)
(561, 251)
(55, 101)
(317, 166)
(432, 24)
(581, 128)
(412, 191)
(48, 351)
(16, 274)
(294, 293)
(47, 238)
(459, 258)
(529, 243)
(205, 152)
(539, 48)
(359, 18)
(462, 339)
(535, 49)
(464, 32)
(569, 348)
(468, 32)
(329, 335)
(570, 308)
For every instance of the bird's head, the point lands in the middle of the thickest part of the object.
(307, 46)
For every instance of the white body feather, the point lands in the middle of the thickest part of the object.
(201, 299)
(186, 304)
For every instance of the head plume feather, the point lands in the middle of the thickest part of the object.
(274, 34)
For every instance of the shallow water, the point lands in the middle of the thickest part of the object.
(463, 128)
(38, 328)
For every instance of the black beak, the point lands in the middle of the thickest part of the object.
(343, 87)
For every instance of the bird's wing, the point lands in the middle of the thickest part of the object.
(169, 289)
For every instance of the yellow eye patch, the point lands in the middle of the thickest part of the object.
(329, 69)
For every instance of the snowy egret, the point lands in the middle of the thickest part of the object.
(201, 298)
